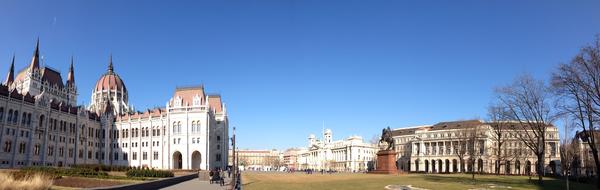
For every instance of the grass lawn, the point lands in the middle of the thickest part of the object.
(268, 181)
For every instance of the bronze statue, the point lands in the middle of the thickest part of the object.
(386, 136)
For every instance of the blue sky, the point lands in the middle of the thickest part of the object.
(284, 67)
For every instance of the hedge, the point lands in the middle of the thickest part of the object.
(58, 172)
(100, 167)
(148, 173)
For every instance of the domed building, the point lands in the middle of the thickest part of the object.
(110, 89)
(190, 132)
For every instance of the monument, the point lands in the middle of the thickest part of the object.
(386, 157)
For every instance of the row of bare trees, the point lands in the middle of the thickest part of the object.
(573, 93)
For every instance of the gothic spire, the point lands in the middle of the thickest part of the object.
(71, 76)
(110, 64)
(10, 77)
(35, 61)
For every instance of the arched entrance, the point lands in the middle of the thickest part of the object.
(553, 167)
(417, 163)
(480, 165)
(518, 167)
(426, 166)
(440, 166)
(177, 160)
(528, 167)
(454, 165)
(196, 160)
(433, 169)
(507, 166)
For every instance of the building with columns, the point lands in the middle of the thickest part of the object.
(351, 154)
(258, 160)
(436, 149)
(41, 125)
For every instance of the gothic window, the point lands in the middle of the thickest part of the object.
(9, 116)
(24, 119)
(1, 114)
(174, 127)
(16, 117)
(179, 127)
(7, 146)
(36, 149)
(193, 126)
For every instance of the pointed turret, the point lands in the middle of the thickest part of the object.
(71, 76)
(35, 61)
(110, 65)
(10, 77)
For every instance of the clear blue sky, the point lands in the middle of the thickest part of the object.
(284, 67)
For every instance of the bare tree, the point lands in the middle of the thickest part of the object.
(474, 148)
(459, 142)
(528, 102)
(375, 139)
(578, 84)
(499, 123)
(567, 152)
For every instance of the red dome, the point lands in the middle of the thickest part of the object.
(110, 81)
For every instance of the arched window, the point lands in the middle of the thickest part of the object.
(179, 127)
(24, 118)
(1, 114)
(29, 119)
(41, 123)
(9, 116)
(193, 126)
(16, 117)
(174, 127)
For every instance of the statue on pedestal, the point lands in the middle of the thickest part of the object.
(386, 157)
(386, 136)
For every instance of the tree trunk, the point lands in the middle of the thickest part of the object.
(595, 155)
(567, 176)
(540, 170)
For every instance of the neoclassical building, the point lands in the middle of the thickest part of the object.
(434, 149)
(351, 154)
(41, 124)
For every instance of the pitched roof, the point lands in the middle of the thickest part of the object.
(214, 101)
(52, 77)
(187, 94)
(456, 125)
(10, 77)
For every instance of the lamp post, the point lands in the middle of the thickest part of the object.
(234, 161)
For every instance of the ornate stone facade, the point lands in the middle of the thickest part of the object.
(351, 154)
(41, 124)
(433, 149)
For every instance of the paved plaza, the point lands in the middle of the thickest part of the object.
(197, 184)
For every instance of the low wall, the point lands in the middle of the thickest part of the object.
(156, 184)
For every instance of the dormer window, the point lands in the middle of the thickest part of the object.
(196, 101)
(177, 101)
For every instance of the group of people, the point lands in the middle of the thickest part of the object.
(311, 171)
(218, 175)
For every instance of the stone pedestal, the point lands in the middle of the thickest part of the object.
(386, 162)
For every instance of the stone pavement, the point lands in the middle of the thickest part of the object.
(198, 185)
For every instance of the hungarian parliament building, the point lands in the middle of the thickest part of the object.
(42, 125)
